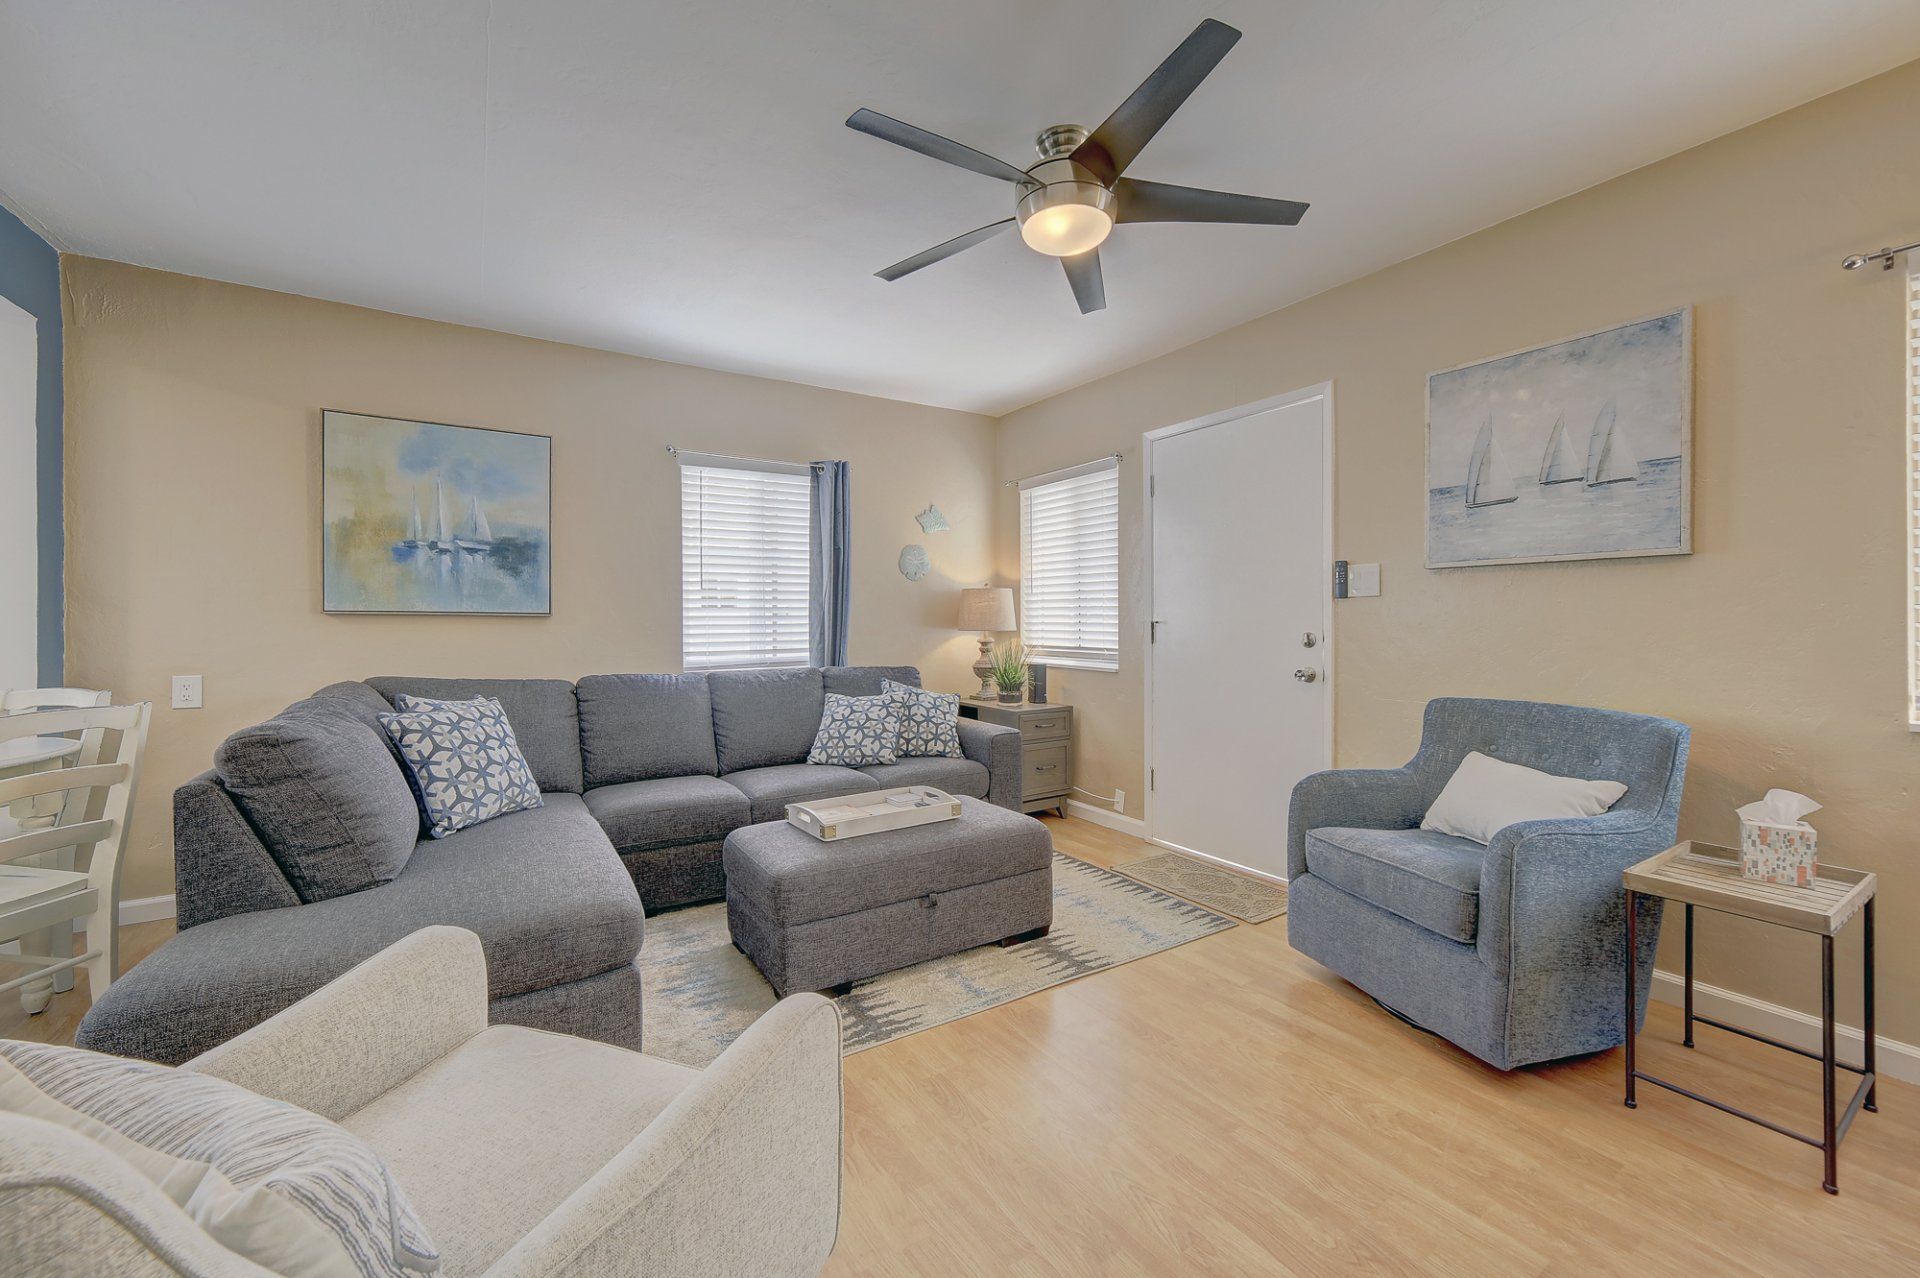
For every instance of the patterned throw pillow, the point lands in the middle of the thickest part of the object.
(929, 721)
(856, 731)
(284, 1188)
(465, 765)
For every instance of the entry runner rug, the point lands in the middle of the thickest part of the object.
(1248, 899)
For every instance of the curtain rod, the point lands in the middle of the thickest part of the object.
(1885, 257)
(1008, 483)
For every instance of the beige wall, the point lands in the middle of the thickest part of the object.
(1780, 639)
(193, 491)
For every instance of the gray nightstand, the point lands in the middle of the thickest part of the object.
(1046, 748)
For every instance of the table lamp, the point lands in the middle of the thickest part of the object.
(989, 610)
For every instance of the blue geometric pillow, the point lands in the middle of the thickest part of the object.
(929, 721)
(465, 765)
(855, 731)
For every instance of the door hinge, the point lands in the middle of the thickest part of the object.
(1151, 775)
(1153, 632)
(1152, 483)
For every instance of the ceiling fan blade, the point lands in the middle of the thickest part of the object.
(1113, 146)
(888, 129)
(1089, 289)
(1158, 202)
(940, 251)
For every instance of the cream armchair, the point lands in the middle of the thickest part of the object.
(530, 1153)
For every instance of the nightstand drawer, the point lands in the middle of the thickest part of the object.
(1043, 770)
(1046, 725)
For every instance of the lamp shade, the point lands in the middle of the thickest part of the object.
(986, 608)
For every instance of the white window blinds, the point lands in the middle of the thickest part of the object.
(1913, 490)
(743, 563)
(1070, 566)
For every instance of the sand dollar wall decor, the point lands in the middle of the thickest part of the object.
(914, 563)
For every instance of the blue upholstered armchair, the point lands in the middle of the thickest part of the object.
(1513, 950)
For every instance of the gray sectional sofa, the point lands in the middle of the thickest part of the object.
(294, 860)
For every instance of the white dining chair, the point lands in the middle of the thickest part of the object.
(84, 838)
(38, 813)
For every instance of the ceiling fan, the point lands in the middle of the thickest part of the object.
(1068, 203)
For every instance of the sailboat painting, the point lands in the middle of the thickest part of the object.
(419, 517)
(1581, 449)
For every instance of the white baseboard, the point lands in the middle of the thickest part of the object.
(1107, 817)
(146, 909)
(1896, 1059)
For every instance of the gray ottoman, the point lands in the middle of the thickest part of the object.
(819, 916)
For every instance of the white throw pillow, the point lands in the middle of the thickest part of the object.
(1485, 796)
(287, 1189)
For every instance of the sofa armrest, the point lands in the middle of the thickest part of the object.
(1563, 877)
(1360, 798)
(367, 1030)
(70, 1206)
(739, 1175)
(998, 747)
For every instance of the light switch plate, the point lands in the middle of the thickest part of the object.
(186, 692)
(1364, 581)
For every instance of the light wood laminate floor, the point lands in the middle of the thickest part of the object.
(1229, 1107)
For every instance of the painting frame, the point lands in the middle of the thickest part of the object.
(330, 608)
(1685, 407)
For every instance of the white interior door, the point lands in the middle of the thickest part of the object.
(1239, 702)
(19, 504)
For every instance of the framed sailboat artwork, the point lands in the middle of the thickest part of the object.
(426, 518)
(1580, 449)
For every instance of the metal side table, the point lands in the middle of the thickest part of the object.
(1709, 876)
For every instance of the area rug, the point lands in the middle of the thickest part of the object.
(1248, 899)
(701, 992)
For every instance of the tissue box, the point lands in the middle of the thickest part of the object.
(1778, 853)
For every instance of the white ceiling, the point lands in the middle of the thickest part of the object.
(672, 178)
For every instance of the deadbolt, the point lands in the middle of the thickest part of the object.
(1308, 640)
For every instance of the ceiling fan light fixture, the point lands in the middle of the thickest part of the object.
(1066, 219)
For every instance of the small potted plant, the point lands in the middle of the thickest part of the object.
(1010, 670)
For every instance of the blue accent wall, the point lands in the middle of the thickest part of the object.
(30, 279)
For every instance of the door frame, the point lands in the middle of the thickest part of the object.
(1323, 392)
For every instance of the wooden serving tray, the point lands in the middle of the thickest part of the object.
(1708, 875)
(870, 813)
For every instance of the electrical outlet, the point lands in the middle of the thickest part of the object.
(1119, 800)
(186, 692)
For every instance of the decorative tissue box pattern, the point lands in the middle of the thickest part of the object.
(1778, 853)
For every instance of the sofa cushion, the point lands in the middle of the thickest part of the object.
(667, 810)
(285, 1188)
(1426, 878)
(325, 793)
(770, 790)
(955, 776)
(544, 715)
(543, 889)
(764, 717)
(866, 681)
(465, 764)
(634, 727)
(497, 1133)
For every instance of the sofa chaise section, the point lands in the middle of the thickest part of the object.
(553, 907)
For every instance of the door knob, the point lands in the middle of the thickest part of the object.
(1306, 675)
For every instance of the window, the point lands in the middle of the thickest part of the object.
(743, 562)
(1070, 566)
(1913, 490)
